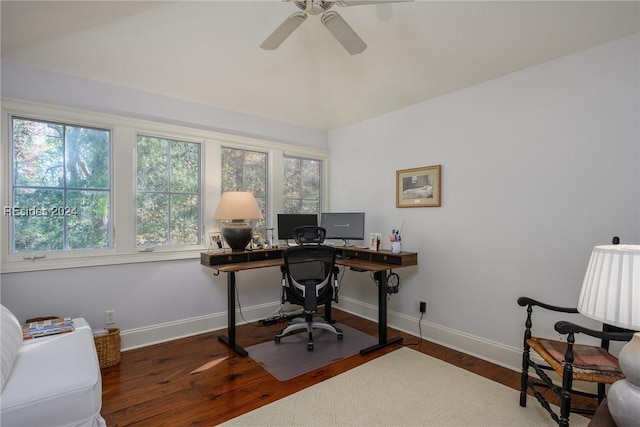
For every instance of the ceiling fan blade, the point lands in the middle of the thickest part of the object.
(285, 29)
(363, 2)
(343, 33)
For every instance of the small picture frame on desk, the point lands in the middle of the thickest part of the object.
(256, 241)
(374, 241)
(216, 242)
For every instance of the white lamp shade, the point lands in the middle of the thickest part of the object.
(611, 288)
(237, 205)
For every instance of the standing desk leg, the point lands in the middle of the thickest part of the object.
(381, 278)
(231, 316)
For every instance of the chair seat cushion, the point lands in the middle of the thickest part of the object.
(591, 363)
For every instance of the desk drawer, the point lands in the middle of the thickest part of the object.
(229, 258)
(260, 255)
(386, 259)
(356, 255)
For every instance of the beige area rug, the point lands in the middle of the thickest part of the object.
(403, 388)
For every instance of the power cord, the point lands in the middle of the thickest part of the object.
(419, 329)
(240, 310)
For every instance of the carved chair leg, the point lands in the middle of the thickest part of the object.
(524, 377)
(601, 392)
(565, 395)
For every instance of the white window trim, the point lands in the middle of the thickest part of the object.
(124, 136)
(171, 248)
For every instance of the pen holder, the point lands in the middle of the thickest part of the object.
(396, 247)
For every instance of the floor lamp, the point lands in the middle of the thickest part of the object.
(611, 294)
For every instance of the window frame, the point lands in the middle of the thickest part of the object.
(321, 184)
(201, 238)
(268, 172)
(124, 131)
(65, 188)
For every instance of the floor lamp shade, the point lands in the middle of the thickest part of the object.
(237, 207)
(611, 294)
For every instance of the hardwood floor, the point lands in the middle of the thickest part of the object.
(153, 386)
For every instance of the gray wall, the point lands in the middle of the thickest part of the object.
(537, 168)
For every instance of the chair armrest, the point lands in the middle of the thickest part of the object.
(526, 301)
(564, 327)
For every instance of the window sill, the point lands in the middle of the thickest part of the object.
(38, 264)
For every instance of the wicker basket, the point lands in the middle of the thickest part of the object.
(108, 348)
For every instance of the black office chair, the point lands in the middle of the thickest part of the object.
(310, 280)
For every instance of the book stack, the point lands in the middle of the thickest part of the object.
(46, 327)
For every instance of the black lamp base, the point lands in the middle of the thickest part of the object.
(237, 235)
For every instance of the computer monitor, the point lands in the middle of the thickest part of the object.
(287, 222)
(343, 225)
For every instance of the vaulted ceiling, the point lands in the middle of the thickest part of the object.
(208, 51)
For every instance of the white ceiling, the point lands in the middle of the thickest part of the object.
(208, 51)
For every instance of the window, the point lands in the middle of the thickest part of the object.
(302, 188)
(60, 187)
(168, 192)
(246, 170)
(84, 189)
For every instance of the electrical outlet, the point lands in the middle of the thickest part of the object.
(109, 317)
(416, 304)
(561, 337)
(423, 306)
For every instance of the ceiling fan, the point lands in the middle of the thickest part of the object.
(330, 19)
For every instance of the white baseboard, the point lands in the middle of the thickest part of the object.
(163, 332)
(488, 350)
(491, 351)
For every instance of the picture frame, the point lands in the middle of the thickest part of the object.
(374, 241)
(418, 187)
(216, 241)
(257, 241)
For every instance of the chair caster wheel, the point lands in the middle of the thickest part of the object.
(277, 340)
(310, 347)
(340, 337)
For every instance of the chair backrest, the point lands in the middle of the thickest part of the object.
(309, 269)
(309, 235)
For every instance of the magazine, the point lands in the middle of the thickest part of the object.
(47, 327)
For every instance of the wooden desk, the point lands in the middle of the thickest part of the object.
(361, 259)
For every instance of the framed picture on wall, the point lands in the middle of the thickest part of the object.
(418, 187)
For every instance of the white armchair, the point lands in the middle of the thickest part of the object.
(52, 381)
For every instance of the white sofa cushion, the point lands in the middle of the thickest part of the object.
(11, 341)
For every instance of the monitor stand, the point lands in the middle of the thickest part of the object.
(346, 243)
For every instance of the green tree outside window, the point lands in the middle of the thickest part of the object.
(61, 186)
(168, 192)
(302, 185)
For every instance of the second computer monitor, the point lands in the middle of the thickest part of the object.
(343, 225)
(288, 222)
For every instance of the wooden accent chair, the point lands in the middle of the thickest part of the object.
(572, 362)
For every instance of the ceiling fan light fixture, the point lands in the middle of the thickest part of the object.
(343, 33)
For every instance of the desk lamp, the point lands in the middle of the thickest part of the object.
(237, 207)
(611, 294)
